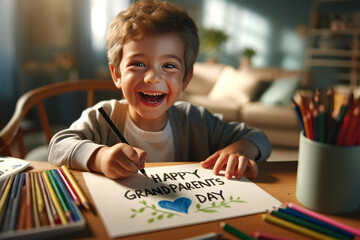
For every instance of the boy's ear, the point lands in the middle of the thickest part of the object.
(115, 76)
(187, 78)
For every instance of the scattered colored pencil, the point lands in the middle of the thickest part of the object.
(76, 187)
(294, 227)
(315, 215)
(234, 231)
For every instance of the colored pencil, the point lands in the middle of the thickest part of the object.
(44, 219)
(22, 209)
(296, 107)
(9, 207)
(39, 198)
(265, 236)
(308, 225)
(309, 119)
(350, 137)
(54, 199)
(46, 201)
(60, 196)
(65, 194)
(322, 124)
(234, 231)
(3, 187)
(6, 193)
(53, 210)
(347, 228)
(116, 131)
(307, 218)
(334, 127)
(68, 187)
(15, 207)
(34, 202)
(294, 227)
(76, 188)
(29, 220)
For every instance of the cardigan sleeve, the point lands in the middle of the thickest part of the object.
(198, 133)
(74, 146)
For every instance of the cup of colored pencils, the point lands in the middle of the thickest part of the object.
(328, 174)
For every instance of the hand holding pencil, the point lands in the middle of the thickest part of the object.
(120, 160)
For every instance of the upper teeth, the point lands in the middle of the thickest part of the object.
(153, 94)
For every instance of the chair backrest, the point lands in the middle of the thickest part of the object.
(12, 130)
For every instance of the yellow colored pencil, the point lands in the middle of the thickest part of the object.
(54, 199)
(76, 188)
(6, 193)
(39, 198)
(34, 202)
(295, 227)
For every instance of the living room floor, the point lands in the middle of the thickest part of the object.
(283, 154)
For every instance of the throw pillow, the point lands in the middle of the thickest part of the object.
(238, 85)
(280, 91)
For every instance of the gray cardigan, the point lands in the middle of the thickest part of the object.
(197, 134)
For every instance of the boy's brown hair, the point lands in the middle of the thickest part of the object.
(148, 16)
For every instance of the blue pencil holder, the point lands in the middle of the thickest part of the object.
(328, 177)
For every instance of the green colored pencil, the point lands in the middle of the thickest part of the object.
(235, 232)
(59, 195)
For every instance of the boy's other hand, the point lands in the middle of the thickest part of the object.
(118, 161)
(233, 160)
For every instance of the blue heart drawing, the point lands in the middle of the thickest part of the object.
(180, 205)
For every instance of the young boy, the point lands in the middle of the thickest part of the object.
(152, 47)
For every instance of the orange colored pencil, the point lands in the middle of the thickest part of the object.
(29, 222)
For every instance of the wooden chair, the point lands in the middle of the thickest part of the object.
(12, 137)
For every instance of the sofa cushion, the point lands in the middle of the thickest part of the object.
(224, 106)
(204, 78)
(241, 86)
(280, 91)
(258, 115)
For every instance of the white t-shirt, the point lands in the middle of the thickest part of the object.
(158, 145)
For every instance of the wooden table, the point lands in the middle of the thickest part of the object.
(276, 178)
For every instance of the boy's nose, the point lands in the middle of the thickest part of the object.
(152, 77)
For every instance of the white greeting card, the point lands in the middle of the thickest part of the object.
(173, 196)
(9, 166)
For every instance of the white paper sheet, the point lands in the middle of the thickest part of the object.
(173, 196)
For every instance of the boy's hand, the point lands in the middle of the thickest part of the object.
(234, 159)
(118, 161)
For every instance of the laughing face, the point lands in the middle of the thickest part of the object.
(152, 77)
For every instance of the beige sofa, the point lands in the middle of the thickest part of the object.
(246, 95)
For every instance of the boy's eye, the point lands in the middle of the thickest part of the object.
(138, 64)
(169, 65)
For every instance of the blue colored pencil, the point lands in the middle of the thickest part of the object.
(14, 188)
(297, 109)
(66, 194)
(15, 207)
(305, 217)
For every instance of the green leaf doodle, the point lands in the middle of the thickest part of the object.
(156, 214)
(214, 206)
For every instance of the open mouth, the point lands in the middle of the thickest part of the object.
(152, 98)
